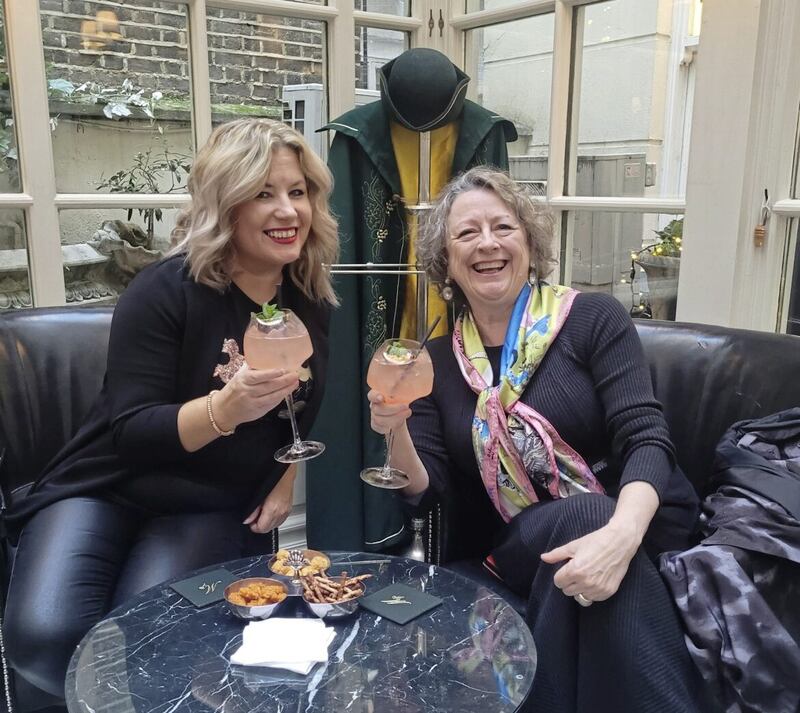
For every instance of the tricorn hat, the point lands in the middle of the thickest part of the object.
(422, 89)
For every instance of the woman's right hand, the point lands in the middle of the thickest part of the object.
(386, 417)
(251, 393)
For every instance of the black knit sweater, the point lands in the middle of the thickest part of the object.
(166, 341)
(593, 385)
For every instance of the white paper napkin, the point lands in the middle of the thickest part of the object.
(292, 644)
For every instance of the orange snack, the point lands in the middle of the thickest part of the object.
(257, 594)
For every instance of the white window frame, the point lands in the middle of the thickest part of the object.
(567, 46)
(767, 86)
(754, 83)
(40, 199)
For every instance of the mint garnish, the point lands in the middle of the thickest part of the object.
(398, 353)
(270, 314)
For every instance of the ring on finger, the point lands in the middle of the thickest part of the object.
(583, 601)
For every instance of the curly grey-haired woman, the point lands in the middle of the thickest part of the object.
(543, 434)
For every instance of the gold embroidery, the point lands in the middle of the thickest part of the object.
(396, 599)
(209, 588)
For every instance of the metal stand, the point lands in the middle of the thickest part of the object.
(422, 205)
(396, 268)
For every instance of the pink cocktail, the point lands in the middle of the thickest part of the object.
(282, 342)
(286, 346)
(401, 372)
(398, 382)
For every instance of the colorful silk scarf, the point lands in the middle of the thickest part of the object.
(514, 445)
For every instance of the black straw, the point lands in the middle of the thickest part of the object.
(428, 335)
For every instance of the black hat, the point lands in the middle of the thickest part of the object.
(422, 89)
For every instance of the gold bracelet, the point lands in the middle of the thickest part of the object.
(211, 415)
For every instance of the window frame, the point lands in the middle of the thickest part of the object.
(778, 28)
(39, 198)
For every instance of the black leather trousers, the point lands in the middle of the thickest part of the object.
(79, 558)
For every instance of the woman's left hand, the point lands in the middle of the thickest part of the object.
(597, 562)
(276, 506)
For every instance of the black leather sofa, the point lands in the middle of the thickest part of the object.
(52, 363)
(706, 378)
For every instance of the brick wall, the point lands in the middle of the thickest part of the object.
(251, 56)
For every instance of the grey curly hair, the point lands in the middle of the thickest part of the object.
(434, 230)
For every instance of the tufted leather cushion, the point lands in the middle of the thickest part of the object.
(708, 378)
(52, 363)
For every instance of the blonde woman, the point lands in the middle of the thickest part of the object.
(174, 468)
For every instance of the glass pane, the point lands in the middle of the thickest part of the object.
(15, 290)
(388, 7)
(118, 82)
(633, 256)
(104, 248)
(9, 168)
(374, 48)
(265, 65)
(511, 67)
(635, 96)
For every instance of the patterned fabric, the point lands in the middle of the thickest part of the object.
(737, 594)
(737, 591)
(515, 446)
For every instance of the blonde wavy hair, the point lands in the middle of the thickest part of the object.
(229, 171)
(535, 220)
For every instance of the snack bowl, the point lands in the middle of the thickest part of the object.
(317, 562)
(233, 594)
(336, 609)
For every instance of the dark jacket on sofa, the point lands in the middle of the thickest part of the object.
(737, 591)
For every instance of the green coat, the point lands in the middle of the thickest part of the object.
(342, 513)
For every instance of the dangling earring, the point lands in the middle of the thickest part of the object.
(532, 276)
(447, 291)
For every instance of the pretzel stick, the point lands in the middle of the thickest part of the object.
(321, 589)
(306, 586)
(317, 591)
(325, 586)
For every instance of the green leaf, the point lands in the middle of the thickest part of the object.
(61, 85)
(397, 350)
(270, 313)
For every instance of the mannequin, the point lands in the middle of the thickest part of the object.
(374, 158)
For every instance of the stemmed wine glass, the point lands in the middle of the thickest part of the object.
(278, 339)
(401, 371)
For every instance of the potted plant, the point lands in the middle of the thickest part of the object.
(661, 263)
(130, 246)
(148, 173)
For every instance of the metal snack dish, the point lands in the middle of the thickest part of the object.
(258, 611)
(343, 594)
(294, 563)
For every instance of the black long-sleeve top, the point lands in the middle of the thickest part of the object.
(593, 385)
(167, 337)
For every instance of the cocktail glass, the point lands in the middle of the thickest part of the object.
(399, 382)
(282, 343)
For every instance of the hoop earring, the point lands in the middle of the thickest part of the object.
(447, 291)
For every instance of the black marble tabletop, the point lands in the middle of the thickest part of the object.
(160, 654)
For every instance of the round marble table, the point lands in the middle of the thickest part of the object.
(160, 654)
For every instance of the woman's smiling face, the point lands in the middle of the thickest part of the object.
(487, 251)
(272, 228)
